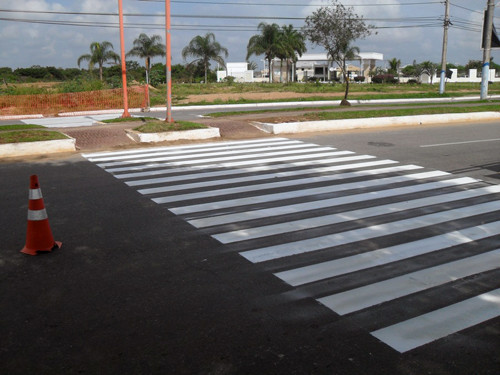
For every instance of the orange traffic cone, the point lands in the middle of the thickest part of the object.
(39, 236)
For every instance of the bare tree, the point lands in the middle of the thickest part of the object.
(335, 27)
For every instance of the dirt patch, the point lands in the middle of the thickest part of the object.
(255, 96)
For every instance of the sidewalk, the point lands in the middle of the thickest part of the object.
(112, 136)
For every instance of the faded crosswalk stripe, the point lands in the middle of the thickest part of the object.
(357, 233)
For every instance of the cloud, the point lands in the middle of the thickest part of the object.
(29, 44)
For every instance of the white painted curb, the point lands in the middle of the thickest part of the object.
(37, 148)
(174, 135)
(361, 123)
(19, 117)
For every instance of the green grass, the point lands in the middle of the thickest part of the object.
(19, 136)
(128, 119)
(159, 126)
(397, 112)
(341, 110)
(19, 127)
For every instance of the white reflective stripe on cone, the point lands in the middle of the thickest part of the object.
(37, 215)
(35, 194)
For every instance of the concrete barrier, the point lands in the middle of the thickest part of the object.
(37, 148)
(362, 123)
(174, 135)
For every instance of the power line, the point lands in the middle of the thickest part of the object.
(291, 5)
(175, 26)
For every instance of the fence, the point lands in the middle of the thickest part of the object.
(50, 104)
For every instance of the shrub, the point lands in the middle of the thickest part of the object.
(359, 79)
(384, 78)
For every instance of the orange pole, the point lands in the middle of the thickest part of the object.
(124, 66)
(169, 63)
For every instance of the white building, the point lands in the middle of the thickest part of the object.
(239, 71)
(319, 66)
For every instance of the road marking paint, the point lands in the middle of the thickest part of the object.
(390, 289)
(295, 193)
(227, 181)
(298, 182)
(342, 266)
(324, 220)
(202, 158)
(440, 323)
(462, 143)
(332, 202)
(337, 239)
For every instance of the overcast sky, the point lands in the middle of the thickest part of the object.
(406, 29)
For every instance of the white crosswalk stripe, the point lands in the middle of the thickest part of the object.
(357, 233)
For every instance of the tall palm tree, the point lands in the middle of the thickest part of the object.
(99, 54)
(146, 48)
(205, 48)
(265, 43)
(394, 65)
(291, 43)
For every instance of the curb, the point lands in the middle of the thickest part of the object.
(362, 123)
(173, 135)
(37, 148)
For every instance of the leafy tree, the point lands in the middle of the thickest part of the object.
(291, 43)
(474, 64)
(204, 49)
(252, 65)
(146, 48)
(100, 53)
(335, 27)
(429, 68)
(265, 43)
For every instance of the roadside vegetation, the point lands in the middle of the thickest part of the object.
(27, 133)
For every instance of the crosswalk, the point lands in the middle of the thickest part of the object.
(363, 236)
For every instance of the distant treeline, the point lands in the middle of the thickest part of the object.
(75, 79)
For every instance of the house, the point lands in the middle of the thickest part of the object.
(239, 71)
(319, 66)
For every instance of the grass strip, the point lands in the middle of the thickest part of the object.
(128, 119)
(19, 136)
(159, 126)
(345, 109)
(19, 127)
(396, 112)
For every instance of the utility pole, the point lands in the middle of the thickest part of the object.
(124, 66)
(487, 49)
(169, 62)
(445, 46)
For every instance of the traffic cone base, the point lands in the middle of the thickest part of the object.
(38, 235)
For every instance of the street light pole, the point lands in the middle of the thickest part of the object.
(169, 63)
(124, 66)
(487, 49)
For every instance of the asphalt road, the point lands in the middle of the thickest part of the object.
(137, 289)
(469, 149)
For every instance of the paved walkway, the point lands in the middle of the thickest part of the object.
(113, 136)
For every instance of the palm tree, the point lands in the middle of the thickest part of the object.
(205, 48)
(99, 54)
(265, 43)
(291, 43)
(146, 48)
(394, 65)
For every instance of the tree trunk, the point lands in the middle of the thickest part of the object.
(269, 62)
(346, 80)
(148, 103)
(100, 72)
(206, 73)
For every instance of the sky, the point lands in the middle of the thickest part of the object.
(34, 32)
